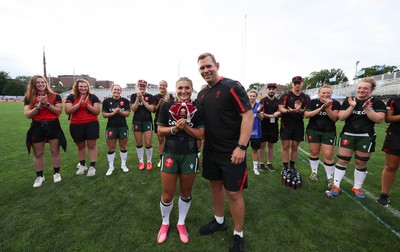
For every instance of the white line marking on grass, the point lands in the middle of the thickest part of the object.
(392, 210)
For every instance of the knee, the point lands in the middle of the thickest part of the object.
(234, 196)
(167, 198)
(391, 168)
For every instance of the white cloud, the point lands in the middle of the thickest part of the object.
(124, 41)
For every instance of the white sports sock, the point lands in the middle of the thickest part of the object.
(149, 154)
(338, 176)
(255, 164)
(238, 233)
(183, 210)
(166, 209)
(329, 169)
(139, 152)
(314, 165)
(123, 156)
(359, 177)
(110, 158)
(220, 220)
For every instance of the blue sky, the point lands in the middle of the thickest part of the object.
(254, 41)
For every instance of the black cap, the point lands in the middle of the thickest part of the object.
(297, 79)
(271, 85)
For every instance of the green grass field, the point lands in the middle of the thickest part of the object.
(121, 212)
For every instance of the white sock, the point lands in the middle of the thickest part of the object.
(329, 169)
(110, 158)
(149, 154)
(255, 164)
(139, 152)
(166, 209)
(183, 210)
(314, 165)
(338, 176)
(359, 177)
(220, 220)
(123, 156)
(238, 233)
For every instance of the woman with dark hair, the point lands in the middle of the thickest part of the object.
(84, 108)
(44, 107)
(116, 109)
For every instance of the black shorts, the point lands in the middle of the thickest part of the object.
(391, 144)
(42, 131)
(270, 135)
(218, 166)
(82, 132)
(292, 133)
(255, 143)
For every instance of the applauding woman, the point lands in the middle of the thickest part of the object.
(84, 108)
(44, 107)
(181, 123)
(116, 109)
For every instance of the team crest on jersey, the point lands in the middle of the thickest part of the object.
(121, 103)
(168, 162)
(182, 110)
(146, 98)
(345, 142)
(218, 93)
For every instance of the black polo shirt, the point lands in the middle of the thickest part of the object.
(288, 100)
(223, 105)
(269, 108)
(394, 104)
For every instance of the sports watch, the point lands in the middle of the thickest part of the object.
(242, 147)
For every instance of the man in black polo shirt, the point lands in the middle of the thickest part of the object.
(228, 123)
(269, 125)
(292, 106)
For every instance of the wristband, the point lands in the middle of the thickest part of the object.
(242, 147)
(47, 104)
(172, 132)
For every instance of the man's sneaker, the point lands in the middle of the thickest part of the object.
(38, 181)
(256, 171)
(124, 168)
(383, 199)
(78, 165)
(358, 193)
(330, 183)
(141, 165)
(159, 164)
(271, 168)
(81, 170)
(238, 244)
(335, 191)
(313, 177)
(183, 234)
(91, 172)
(212, 227)
(149, 166)
(162, 234)
(261, 167)
(56, 177)
(110, 170)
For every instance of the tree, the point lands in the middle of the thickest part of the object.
(4, 77)
(14, 87)
(332, 77)
(377, 70)
(257, 86)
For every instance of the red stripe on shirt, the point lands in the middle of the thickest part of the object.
(243, 180)
(238, 100)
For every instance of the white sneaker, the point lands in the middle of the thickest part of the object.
(81, 170)
(256, 171)
(109, 171)
(57, 177)
(124, 168)
(91, 172)
(77, 166)
(38, 181)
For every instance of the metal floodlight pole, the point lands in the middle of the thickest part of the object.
(355, 75)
